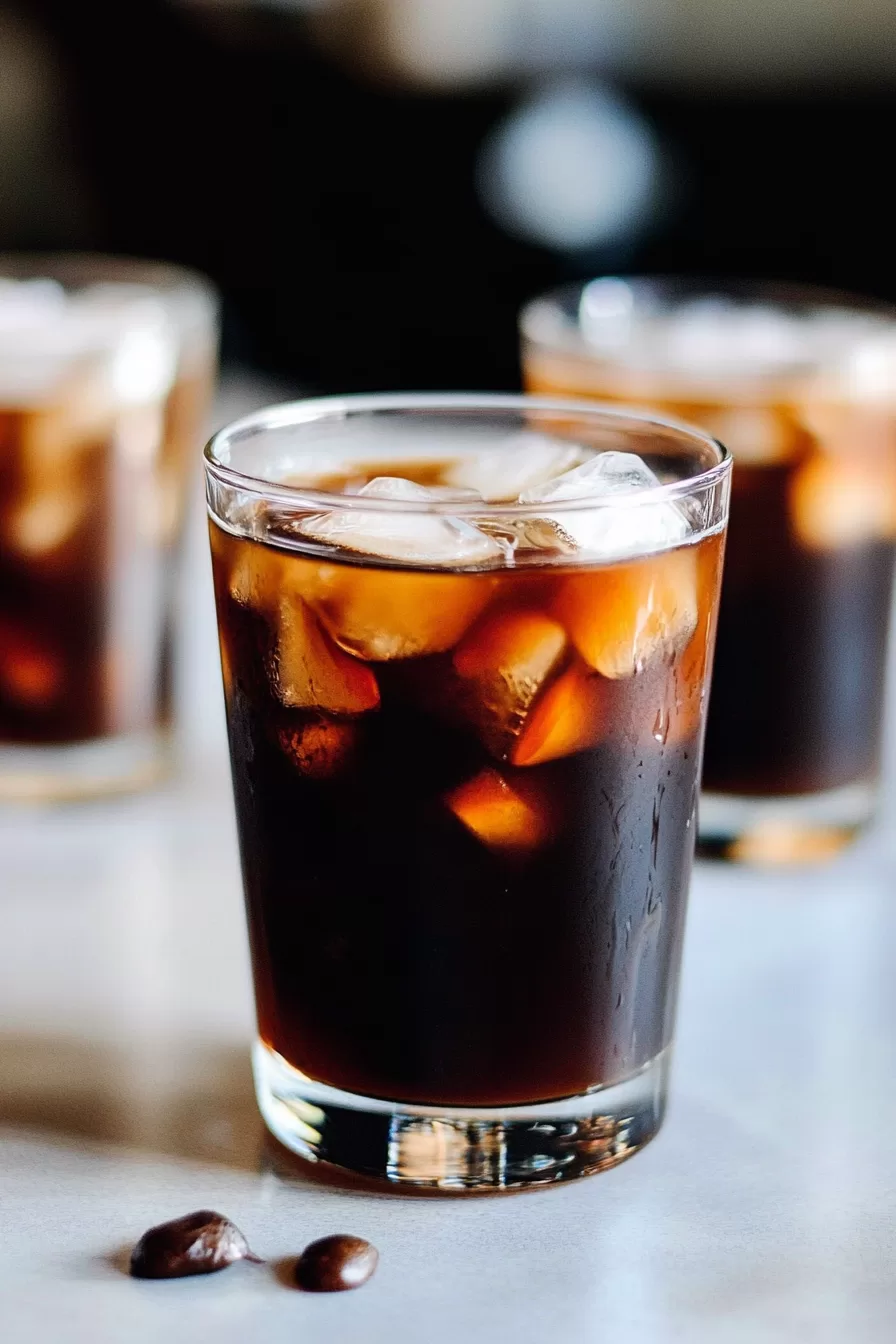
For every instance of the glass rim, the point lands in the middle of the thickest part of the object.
(312, 410)
(551, 323)
(166, 276)
(783, 295)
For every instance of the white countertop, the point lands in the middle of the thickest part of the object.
(765, 1210)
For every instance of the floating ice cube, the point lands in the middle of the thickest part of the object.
(421, 538)
(261, 575)
(838, 501)
(394, 487)
(39, 340)
(520, 462)
(255, 578)
(45, 332)
(630, 614)
(43, 520)
(604, 473)
(754, 433)
(867, 366)
(79, 416)
(308, 671)
(507, 813)
(29, 304)
(503, 662)
(628, 527)
(145, 360)
(398, 614)
(570, 716)
(714, 336)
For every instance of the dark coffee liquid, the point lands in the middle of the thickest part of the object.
(53, 598)
(798, 686)
(413, 939)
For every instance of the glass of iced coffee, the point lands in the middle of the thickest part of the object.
(106, 372)
(465, 644)
(801, 386)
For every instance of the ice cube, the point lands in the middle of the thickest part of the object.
(256, 577)
(503, 662)
(839, 501)
(713, 336)
(507, 813)
(622, 617)
(41, 341)
(753, 433)
(610, 531)
(393, 487)
(421, 538)
(609, 473)
(570, 716)
(383, 615)
(261, 575)
(56, 436)
(31, 673)
(319, 747)
(29, 304)
(519, 463)
(145, 362)
(44, 520)
(309, 671)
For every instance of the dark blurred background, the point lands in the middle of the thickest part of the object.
(378, 185)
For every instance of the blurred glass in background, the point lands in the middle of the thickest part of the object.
(106, 374)
(800, 384)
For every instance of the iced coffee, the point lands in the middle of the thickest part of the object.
(106, 370)
(802, 389)
(465, 660)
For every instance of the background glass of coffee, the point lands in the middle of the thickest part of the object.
(106, 372)
(801, 386)
(466, 646)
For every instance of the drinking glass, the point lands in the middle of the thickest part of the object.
(106, 371)
(465, 645)
(801, 386)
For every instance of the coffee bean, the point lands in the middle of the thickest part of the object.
(198, 1243)
(333, 1264)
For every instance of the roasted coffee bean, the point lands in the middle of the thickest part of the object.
(198, 1243)
(333, 1264)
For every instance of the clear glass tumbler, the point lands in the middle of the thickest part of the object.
(465, 644)
(801, 386)
(106, 372)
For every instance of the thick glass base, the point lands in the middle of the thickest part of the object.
(456, 1149)
(82, 770)
(807, 828)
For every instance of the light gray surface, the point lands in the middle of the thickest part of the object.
(763, 1212)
